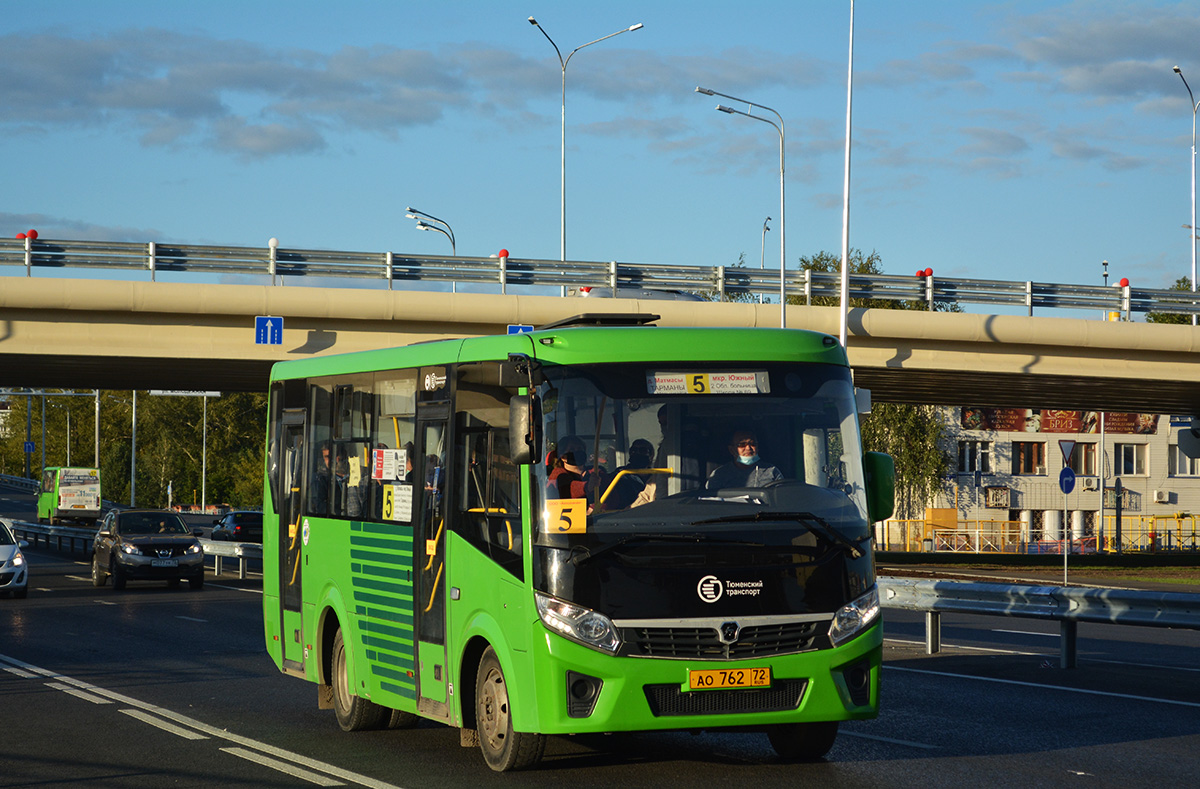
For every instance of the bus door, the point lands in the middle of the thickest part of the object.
(290, 529)
(429, 540)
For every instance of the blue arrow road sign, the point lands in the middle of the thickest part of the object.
(268, 330)
(1066, 480)
(28, 447)
(519, 328)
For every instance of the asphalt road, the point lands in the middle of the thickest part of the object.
(153, 686)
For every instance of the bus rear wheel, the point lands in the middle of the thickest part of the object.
(354, 713)
(503, 749)
(803, 742)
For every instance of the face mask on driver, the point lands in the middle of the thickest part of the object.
(749, 461)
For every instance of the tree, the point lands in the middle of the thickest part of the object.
(911, 434)
(1184, 284)
(170, 438)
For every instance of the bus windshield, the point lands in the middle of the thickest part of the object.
(768, 451)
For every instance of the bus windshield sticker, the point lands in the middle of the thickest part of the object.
(567, 516)
(748, 382)
(387, 463)
(397, 502)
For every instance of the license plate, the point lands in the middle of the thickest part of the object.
(164, 562)
(712, 679)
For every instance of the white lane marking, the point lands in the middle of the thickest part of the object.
(78, 578)
(234, 588)
(1027, 633)
(104, 602)
(1166, 666)
(19, 672)
(77, 693)
(876, 737)
(212, 731)
(42, 589)
(191, 619)
(1043, 686)
(283, 767)
(973, 649)
(178, 731)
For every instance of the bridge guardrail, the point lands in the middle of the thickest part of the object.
(20, 483)
(1067, 605)
(294, 265)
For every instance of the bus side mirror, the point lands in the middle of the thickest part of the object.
(523, 421)
(880, 472)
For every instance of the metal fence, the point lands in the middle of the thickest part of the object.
(295, 266)
(1177, 532)
(1067, 605)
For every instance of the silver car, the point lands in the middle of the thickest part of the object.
(14, 569)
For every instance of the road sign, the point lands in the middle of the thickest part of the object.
(268, 330)
(28, 447)
(519, 328)
(1066, 480)
(1067, 446)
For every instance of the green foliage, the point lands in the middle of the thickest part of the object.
(858, 263)
(170, 438)
(913, 436)
(1184, 284)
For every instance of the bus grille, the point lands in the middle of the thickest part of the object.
(704, 643)
(668, 700)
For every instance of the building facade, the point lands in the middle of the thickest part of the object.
(1132, 486)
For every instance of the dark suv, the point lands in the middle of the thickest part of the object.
(239, 526)
(147, 545)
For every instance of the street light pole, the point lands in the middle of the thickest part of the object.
(562, 247)
(1195, 106)
(762, 254)
(441, 226)
(779, 127)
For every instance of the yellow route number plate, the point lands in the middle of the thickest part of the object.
(714, 679)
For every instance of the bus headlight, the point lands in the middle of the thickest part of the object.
(577, 623)
(128, 547)
(854, 617)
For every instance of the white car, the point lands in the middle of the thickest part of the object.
(14, 570)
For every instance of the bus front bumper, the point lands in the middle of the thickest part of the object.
(587, 691)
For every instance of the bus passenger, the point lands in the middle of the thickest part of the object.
(567, 476)
(746, 470)
(641, 456)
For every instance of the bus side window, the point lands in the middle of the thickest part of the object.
(488, 491)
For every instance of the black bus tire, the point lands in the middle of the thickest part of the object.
(803, 742)
(354, 713)
(503, 749)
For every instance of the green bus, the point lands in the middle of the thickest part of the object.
(577, 530)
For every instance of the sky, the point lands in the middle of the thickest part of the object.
(1010, 140)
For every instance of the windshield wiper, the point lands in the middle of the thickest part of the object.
(582, 554)
(822, 527)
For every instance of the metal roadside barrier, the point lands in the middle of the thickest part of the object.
(329, 268)
(20, 483)
(1068, 605)
(56, 536)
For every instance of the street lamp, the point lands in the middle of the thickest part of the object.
(441, 226)
(1195, 106)
(782, 219)
(563, 236)
(423, 220)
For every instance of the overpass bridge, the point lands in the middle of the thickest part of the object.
(107, 334)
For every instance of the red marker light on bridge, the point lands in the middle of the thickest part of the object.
(928, 272)
(504, 253)
(1124, 283)
(20, 236)
(32, 234)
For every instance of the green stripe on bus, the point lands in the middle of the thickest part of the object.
(404, 692)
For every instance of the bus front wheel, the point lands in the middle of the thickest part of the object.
(803, 742)
(503, 749)
(354, 713)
